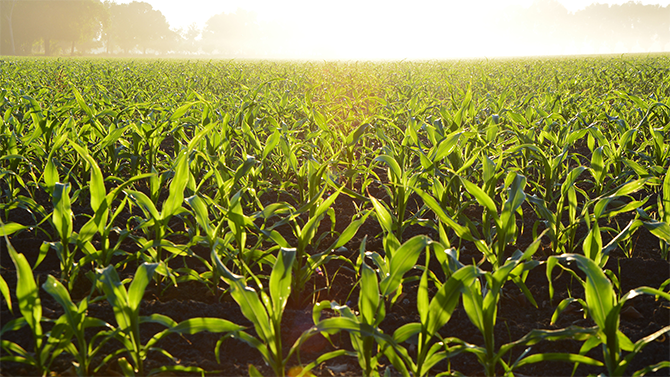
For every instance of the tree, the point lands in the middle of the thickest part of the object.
(76, 21)
(7, 10)
(189, 38)
(233, 34)
(49, 22)
(138, 26)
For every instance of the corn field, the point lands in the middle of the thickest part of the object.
(496, 217)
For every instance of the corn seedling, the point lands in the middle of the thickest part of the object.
(264, 310)
(603, 306)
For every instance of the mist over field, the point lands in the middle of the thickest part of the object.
(349, 30)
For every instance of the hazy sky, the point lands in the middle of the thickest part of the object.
(181, 13)
(372, 29)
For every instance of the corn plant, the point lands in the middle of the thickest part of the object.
(351, 140)
(368, 341)
(307, 264)
(104, 213)
(126, 306)
(399, 190)
(62, 220)
(264, 310)
(481, 306)
(592, 245)
(47, 345)
(561, 235)
(505, 230)
(76, 321)
(363, 328)
(602, 305)
(156, 223)
(434, 314)
(664, 217)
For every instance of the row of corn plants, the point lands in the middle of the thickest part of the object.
(138, 166)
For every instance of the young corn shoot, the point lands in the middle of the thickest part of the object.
(603, 306)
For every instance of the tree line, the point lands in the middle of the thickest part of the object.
(77, 27)
(548, 26)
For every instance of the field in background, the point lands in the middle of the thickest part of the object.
(477, 217)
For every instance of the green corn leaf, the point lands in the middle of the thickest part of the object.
(652, 368)
(179, 181)
(320, 120)
(473, 303)
(168, 369)
(4, 289)
(593, 244)
(516, 196)
(445, 300)
(349, 232)
(404, 259)
(630, 188)
(624, 342)
(62, 214)
(383, 215)
(597, 164)
(307, 232)
(572, 204)
(488, 169)
(247, 298)
(369, 299)
(640, 170)
(62, 296)
(207, 130)
(246, 166)
(201, 214)
(181, 110)
(336, 324)
(649, 338)
(566, 357)
(598, 290)
(393, 166)
(461, 231)
(144, 202)
(664, 208)
(355, 135)
(117, 296)
(571, 178)
(271, 144)
(507, 221)
(253, 372)
(96, 183)
(27, 292)
(280, 280)
(562, 306)
(406, 331)
(572, 137)
(50, 176)
(142, 277)
(199, 324)
(481, 196)
(422, 300)
(446, 146)
(659, 229)
(82, 103)
(112, 137)
(11, 228)
(126, 368)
